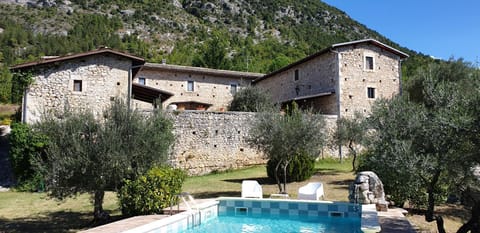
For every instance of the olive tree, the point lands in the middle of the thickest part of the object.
(350, 132)
(282, 136)
(251, 99)
(91, 155)
(425, 144)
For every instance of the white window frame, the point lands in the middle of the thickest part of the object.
(192, 86)
(296, 75)
(144, 81)
(365, 64)
(373, 92)
(232, 89)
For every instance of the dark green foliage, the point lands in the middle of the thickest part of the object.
(299, 169)
(426, 145)
(214, 53)
(251, 99)
(89, 155)
(5, 85)
(151, 193)
(26, 147)
(282, 137)
(20, 82)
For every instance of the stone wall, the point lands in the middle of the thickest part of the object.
(355, 78)
(212, 141)
(216, 141)
(103, 78)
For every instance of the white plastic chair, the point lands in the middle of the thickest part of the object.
(251, 188)
(311, 191)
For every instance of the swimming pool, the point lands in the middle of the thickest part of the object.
(243, 215)
(277, 224)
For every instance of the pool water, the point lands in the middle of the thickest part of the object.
(277, 224)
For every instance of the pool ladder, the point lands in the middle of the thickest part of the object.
(191, 205)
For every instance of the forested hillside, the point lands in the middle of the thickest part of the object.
(244, 35)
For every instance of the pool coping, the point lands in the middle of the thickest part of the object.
(369, 216)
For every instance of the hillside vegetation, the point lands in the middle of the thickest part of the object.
(255, 35)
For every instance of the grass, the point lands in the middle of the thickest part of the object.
(335, 176)
(35, 212)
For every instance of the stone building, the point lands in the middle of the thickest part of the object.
(340, 80)
(84, 80)
(194, 88)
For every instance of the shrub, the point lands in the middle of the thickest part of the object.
(151, 193)
(26, 146)
(300, 168)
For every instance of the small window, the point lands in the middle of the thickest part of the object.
(296, 75)
(368, 63)
(142, 81)
(233, 89)
(190, 86)
(371, 93)
(77, 85)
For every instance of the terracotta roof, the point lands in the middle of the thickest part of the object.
(200, 70)
(401, 54)
(136, 60)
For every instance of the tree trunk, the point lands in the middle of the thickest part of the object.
(429, 215)
(98, 213)
(354, 153)
(277, 178)
(473, 225)
(285, 177)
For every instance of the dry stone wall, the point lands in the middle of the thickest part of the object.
(217, 141)
(213, 141)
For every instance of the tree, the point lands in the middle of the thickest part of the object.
(350, 132)
(251, 99)
(5, 84)
(283, 136)
(427, 146)
(20, 82)
(214, 53)
(89, 155)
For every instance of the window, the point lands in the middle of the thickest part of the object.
(371, 93)
(142, 81)
(368, 63)
(190, 86)
(233, 89)
(296, 75)
(77, 85)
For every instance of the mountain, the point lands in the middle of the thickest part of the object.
(254, 35)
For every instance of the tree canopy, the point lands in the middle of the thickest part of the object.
(283, 136)
(425, 143)
(90, 155)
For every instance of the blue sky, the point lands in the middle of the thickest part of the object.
(440, 28)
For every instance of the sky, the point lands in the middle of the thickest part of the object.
(441, 28)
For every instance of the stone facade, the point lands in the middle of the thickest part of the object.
(309, 78)
(194, 88)
(78, 82)
(217, 141)
(340, 80)
(354, 78)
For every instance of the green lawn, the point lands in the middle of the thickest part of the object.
(35, 212)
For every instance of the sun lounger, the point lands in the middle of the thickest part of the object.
(251, 188)
(311, 191)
